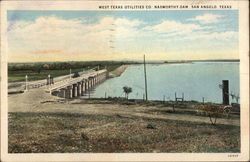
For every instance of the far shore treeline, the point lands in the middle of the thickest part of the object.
(64, 65)
(41, 70)
(86, 64)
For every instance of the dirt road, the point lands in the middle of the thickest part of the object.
(37, 100)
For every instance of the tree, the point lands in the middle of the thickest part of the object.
(127, 90)
(37, 68)
(234, 96)
(213, 111)
(45, 66)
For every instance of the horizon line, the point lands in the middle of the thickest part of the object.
(132, 60)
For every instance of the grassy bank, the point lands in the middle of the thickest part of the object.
(73, 132)
(16, 76)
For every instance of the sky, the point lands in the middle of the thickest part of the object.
(35, 36)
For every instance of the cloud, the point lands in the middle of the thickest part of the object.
(126, 22)
(49, 37)
(202, 36)
(225, 36)
(52, 51)
(207, 18)
(69, 37)
(175, 31)
(169, 28)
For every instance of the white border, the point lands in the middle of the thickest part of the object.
(93, 5)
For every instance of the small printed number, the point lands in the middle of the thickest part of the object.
(233, 155)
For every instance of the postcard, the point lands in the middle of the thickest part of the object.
(124, 80)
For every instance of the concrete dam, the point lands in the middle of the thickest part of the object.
(76, 87)
(68, 86)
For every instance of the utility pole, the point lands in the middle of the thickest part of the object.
(145, 75)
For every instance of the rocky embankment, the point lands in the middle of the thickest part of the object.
(118, 71)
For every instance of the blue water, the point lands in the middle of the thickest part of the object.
(195, 80)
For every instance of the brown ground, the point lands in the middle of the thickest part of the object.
(39, 122)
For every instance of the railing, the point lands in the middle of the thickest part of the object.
(60, 79)
(37, 84)
(85, 75)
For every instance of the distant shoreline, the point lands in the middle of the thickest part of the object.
(190, 61)
(130, 61)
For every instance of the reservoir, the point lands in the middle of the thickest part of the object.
(195, 80)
